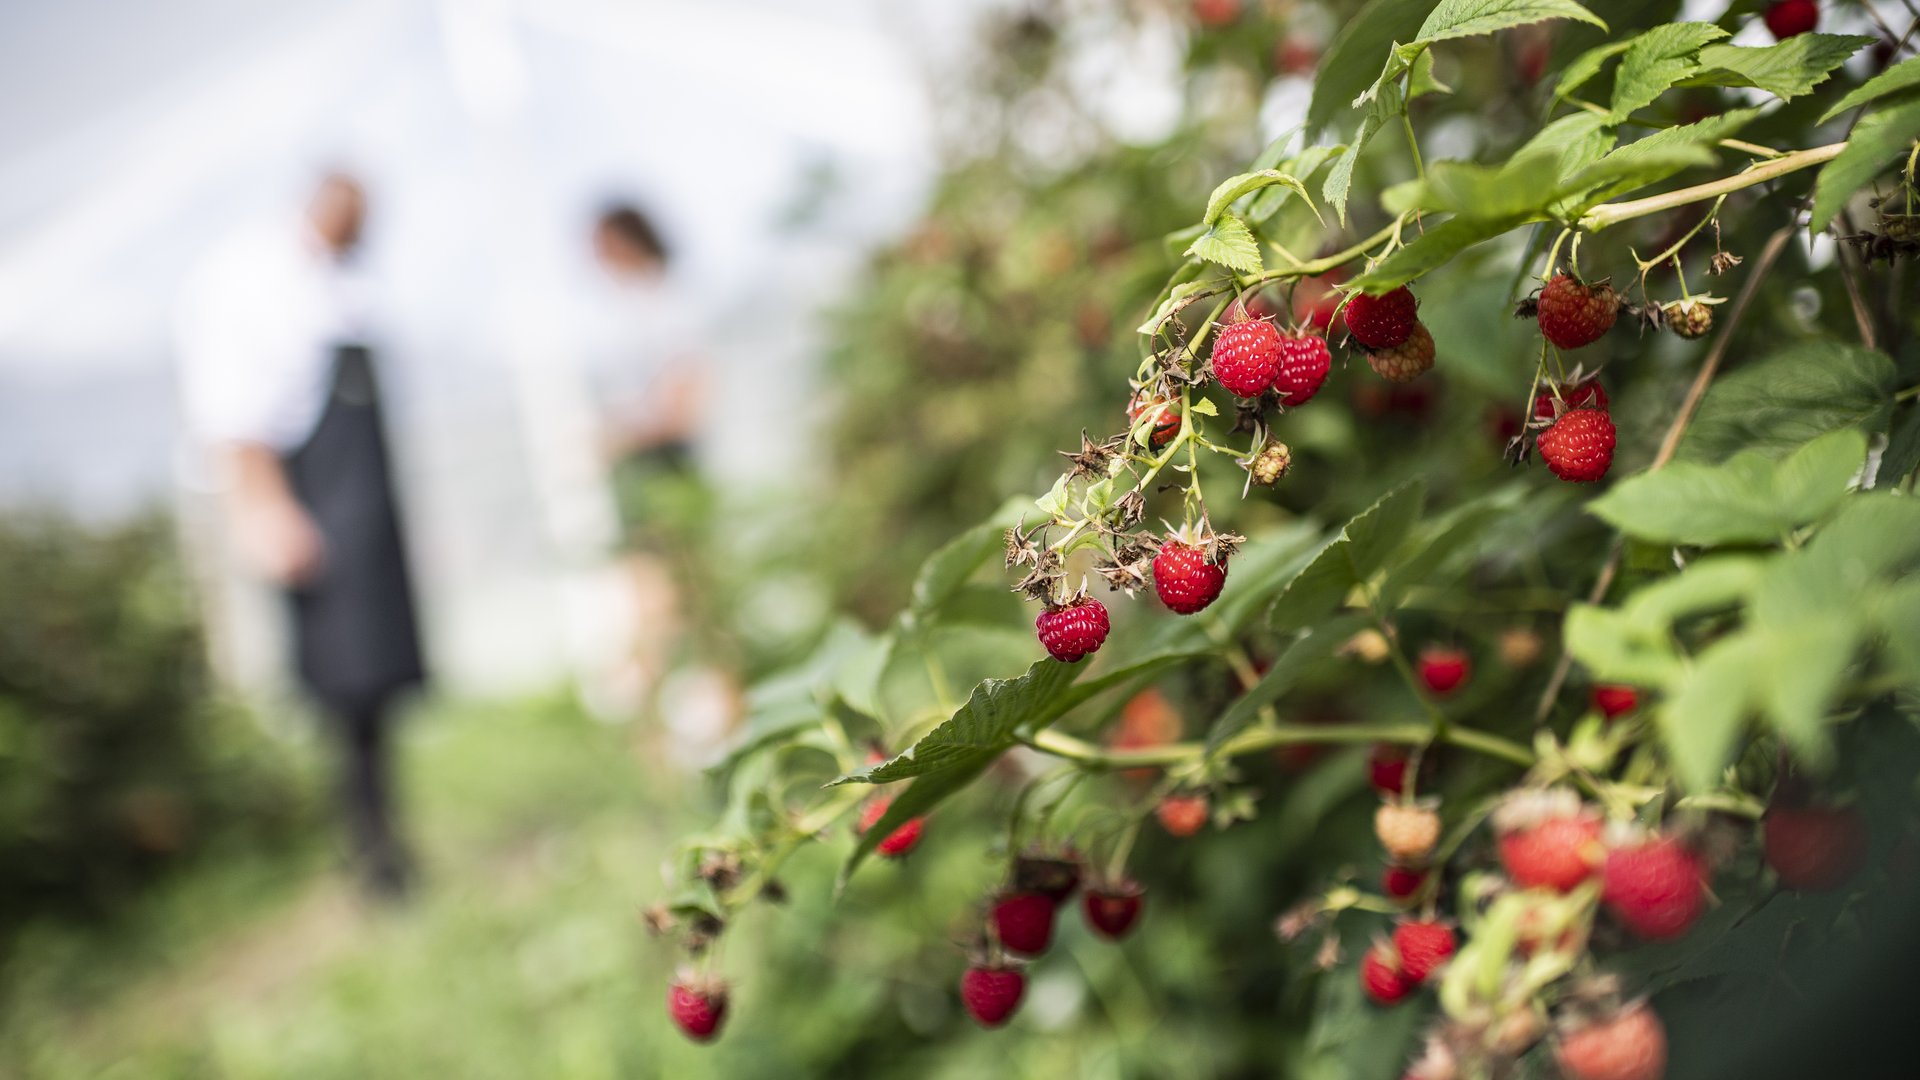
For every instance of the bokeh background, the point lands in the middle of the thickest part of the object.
(912, 237)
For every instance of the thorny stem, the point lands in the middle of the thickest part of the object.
(1616, 212)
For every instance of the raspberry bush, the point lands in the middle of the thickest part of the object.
(1521, 750)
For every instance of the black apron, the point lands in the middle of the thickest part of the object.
(355, 634)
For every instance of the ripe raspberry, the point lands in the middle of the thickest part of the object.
(1381, 977)
(1688, 318)
(1246, 355)
(1112, 910)
(1182, 815)
(1183, 578)
(1557, 852)
(1573, 314)
(1786, 18)
(1270, 463)
(1815, 849)
(1167, 420)
(1074, 631)
(1387, 768)
(1614, 700)
(1423, 946)
(1052, 877)
(991, 994)
(1656, 888)
(1444, 670)
(1401, 882)
(901, 840)
(1382, 322)
(1409, 833)
(1579, 446)
(1630, 1045)
(1216, 13)
(1406, 361)
(1558, 399)
(1304, 362)
(697, 1007)
(1024, 922)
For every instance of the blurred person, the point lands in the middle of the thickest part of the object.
(279, 388)
(652, 375)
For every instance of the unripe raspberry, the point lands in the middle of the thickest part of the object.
(1246, 356)
(1573, 314)
(1182, 815)
(1630, 1045)
(1688, 318)
(1406, 361)
(1408, 833)
(1270, 463)
(1382, 322)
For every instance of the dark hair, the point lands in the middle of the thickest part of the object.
(632, 225)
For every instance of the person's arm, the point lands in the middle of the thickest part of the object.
(275, 533)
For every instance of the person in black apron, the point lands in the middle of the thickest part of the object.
(280, 387)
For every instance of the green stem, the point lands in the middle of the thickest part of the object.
(1059, 744)
(1614, 213)
(1322, 265)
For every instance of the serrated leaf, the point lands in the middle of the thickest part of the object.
(1378, 531)
(1304, 165)
(1421, 81)
(1382, 102)
(1587, 65)
(1878, 141)
(1904, 75)
(1246, 183)
(1787, 70)
(1352, 59)
(1320, 586)
(1313, 646)
(1178, 297)
(947, 569)
(1747, 499)
(1656, 61)
(1431, 250)
(1466, 18)
(1790, 398)
(1568, 144)
(1651, 160)
(1231, 244)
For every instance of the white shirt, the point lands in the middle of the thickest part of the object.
(257, 326)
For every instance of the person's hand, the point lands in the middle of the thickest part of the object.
(281, 542)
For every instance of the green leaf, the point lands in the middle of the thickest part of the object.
(1362, 549)
(1878, 142)
(1383, 102)
(1177, 299)
(947, 569)
(1229, 243)
(1902, 454)
(1312, 647)
(1787, 70)
(1487, 192)
(1465, 18)
(1656, 61)
(1433, 249)
(1585, 66)
(1803, 664)
(1377, 532)
(1793, 397)
(1568, 145)
(1234, 187)
(1352, 59)
(1904, 75)
(1748, 499)
(1652, 159)
(1303, 165)
(1702, 714)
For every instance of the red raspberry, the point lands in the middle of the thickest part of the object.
(898, 842)
(1183, 578)
(1166, 423)
(1052, 877)
(1382, 322)
(1423, 946)
(1630, 1045)
(1381, 977)
(1182, 815)
(1614, 700)
(1786, 18)
(1444, 670)
(1404, 363)
(1657, 888)
(1304, 362)
(1246, 355)
(1401, 882)
(1113, 910)
(1557, 853)
(1573, 314)
(991, 994)
(1024, 922)
(1387, 768)
(1815, 849)
(1216, 13)
(1579, 446)
(697, 1008)
(1073, 631)
(1558, 399)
